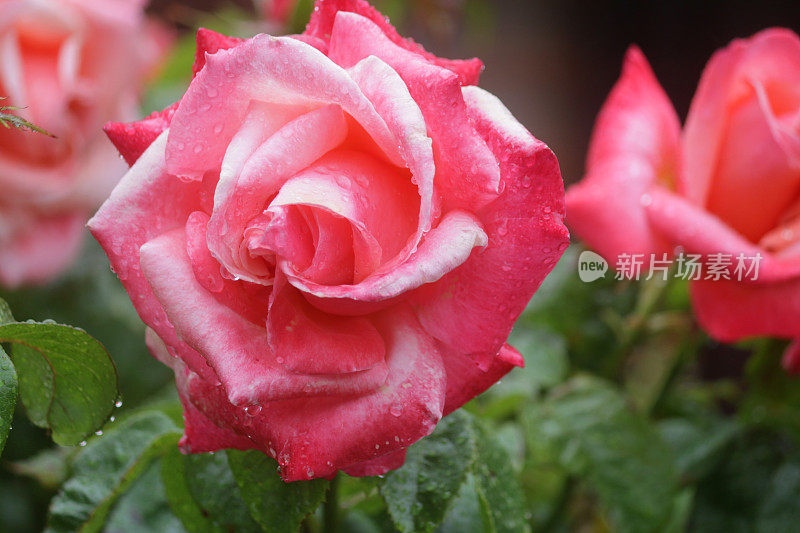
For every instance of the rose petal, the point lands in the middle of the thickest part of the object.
(472, 309)
(466, 170)
(445, 248)
(791, 358)
(389, 94)
(236, 348)
(378, 466)
(35, 247)
(278, 70)
(466, 379)
(753, 160)
(133, 138)
(201, 435)
(324, 16)
(774, 55)
(248, 182)
(730, 311)
(146, 203)
(308, 341)
(700, 232)
(247, 299)
(634, 146)
(374, 197)
(210, 42)
(315, 437)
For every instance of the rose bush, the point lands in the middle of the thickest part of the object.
(728, 183)
(74, 64)
(330, 237)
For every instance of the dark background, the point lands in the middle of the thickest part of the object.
(553, 62)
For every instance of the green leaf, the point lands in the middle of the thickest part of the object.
(144, 508)
(8, 396)
(7, 120)
(275, 505)
(67, 381)
(460, 459)
(779, 510)
(211, 484)
(107, 467)
(465, 514)
(5, 313)
(755, 488)
(417, 494)
(499, 492)
(173, 474)
(698, 445)
(49, 467)
(600, 440)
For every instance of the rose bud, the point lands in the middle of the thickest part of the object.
(727, 185)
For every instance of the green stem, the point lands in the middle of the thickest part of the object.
(686, 352)
(651, 293)
(331, 508)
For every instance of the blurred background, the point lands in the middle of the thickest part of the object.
(733, 420)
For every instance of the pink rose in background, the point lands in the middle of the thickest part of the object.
(75, 64)
(728, 183)
(279, 11)
(331, 236)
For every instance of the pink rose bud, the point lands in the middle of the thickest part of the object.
(727, 185)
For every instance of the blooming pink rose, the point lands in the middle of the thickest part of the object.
(330, 237)
(75, 64)
(729, 183)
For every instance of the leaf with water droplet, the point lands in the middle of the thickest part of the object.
(8, 396)
(276, 505)
(106, 468)
(67, 381)
(418, 493)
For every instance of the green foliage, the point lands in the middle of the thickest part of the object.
(277, 506)
(212, 486)
(9, 120)
(107, 467)
(754, 488)
(173, 475)
(596, 438)
(67, 381)
(144, 508)
(459, 460)
(8, 396)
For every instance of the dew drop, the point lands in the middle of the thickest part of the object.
(118, 404)
(252, 410)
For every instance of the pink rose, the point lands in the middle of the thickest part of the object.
(279, 11)
(331, 236)
(75, 64)
(729, 183)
